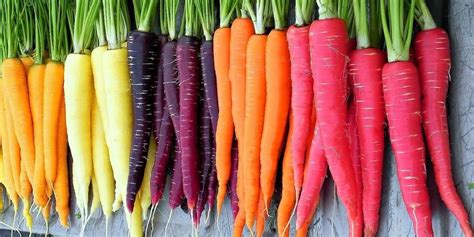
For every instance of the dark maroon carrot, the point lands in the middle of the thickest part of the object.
(209, 79)
(211, 198)
(176, 193)
(142, 51)
(170, 84)
(234, 199)
(158, 92)
(162, 160)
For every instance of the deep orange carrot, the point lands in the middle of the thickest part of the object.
(17, 93)
(61, 184)
(261, 216)
(52, 92)
(239, 223)
(27, 62)
(13, 148)
(35, 89)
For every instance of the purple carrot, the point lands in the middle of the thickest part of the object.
(209, 79)
(170, 84)
(162, 159)
(176, 194)
(211, 198)
(159, 94)
(234, 199)
(189, 74)
(142, 61)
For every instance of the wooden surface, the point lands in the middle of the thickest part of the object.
(330, 219)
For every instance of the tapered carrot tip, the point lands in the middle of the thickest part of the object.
(369, 233)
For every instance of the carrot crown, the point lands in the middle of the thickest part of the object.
(145, 13)
(205, 9)
(117, 22)
(27, 30)
(226, 12)
(9, 10)
(327, 9)
(398, 30)
(58, 35)
(280, 13)
(191, 20)
(84, 20)
(100, 29)
(362, 21)
(171, 10)
(261, 16)
(304, 12)
(163, 19)
(423, 16)
(40, 19)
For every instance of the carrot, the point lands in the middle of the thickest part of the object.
(13, 148)
(225, 126)
(261, 217)
(145, 189)
(234, 199)
(433, 58)
(277, 101)
(328, 45)
(301, 86)
(61, 183)
(403, 105)
(288, 194)
(25, 195)
(365, 69)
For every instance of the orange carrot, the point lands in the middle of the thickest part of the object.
(27, 62)
(13, 147)
(35, 88)
(261, 216)
(17, 93)
(239, 223)
(52, 92)
(61, 184)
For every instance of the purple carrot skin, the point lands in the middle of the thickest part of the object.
(187, 52)
(162, 160)
(176, 194)
(211, 198)
(170, 84)
(142, 55)
(209, 79)
(234, 199)
(159, 93)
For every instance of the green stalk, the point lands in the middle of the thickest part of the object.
(327, 9)
(361, 24)
(191, 19)
(261, 15)
(226, 12)
(343, 10)
(398, 31)
(171, 13)
(163, 19)
(304, 12)
(27, 29)
(10, 10)
(145, 13)
(85, 18)
(375, 27)
(40, 19)
(205, 9)
(423, 16)
(100, 29)
(280, 13)
(58, 35)
(116, 22)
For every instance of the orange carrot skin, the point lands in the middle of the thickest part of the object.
(301, 96)
(225, 125)
(239, 223)
(365, 69)
(288, 193)
(17, 92)
(433, 59)
(27, 62)
(402, 103)
(35, 89)
(254, 118)
(13, 148)
(61, 183)
(261, 217)
(52, 94)
(277, 106)
(329, 52)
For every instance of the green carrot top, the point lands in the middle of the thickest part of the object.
(26, 32)
(84, 20)
(304, 12)
(226, 12)
(100, 29)
(190, 19)
(327, 9)
(423, 16)
(145, 13)
(398, 30)
(9, 10)
(58, 35)
(280, 13)
(117, 22)
(205, 9)
(41, 21)
(367, 25)
(262, 14)
(162, 18)
(171, 11)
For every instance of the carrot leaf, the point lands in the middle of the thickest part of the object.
(375, 28)
(344, 10)
(205, 9)
(367, 27)
(10, 10)
(226, 12)
(280, 13)
(162, 18)
(304, 12)
(117, 22)
(58, 35)
(145, 13)
(261, 15)
(40, 19)
(171, 11)
(327, 9)
(423, 16)
(191, 19)
(27, 29)
(398, 30)
(84, 20)
(100, 29)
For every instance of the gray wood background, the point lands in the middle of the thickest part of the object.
(330, 219)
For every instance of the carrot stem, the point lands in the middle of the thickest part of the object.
(303, 12)
(423, 16)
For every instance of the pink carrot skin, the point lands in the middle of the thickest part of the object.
(433, 59)
(402, 101)
(301, 97)
(176, 194)
(234, 199)
(328, 45)
(365, 69)
(356, 163)
(315, 174)
(159, 94)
